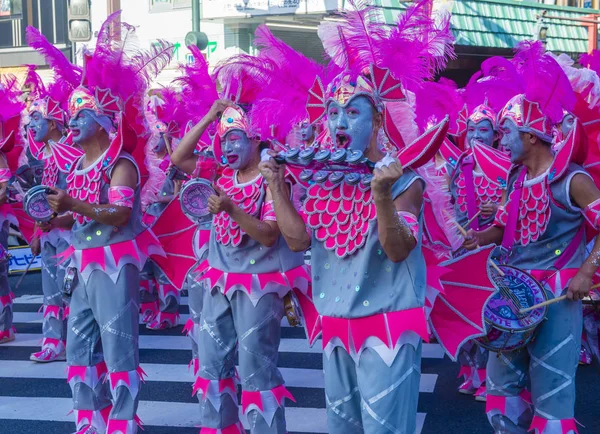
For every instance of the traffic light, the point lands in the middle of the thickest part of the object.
(80, 21)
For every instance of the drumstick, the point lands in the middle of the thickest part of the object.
(554, 300)
(473, 219)
(25, 272)
(495, 267)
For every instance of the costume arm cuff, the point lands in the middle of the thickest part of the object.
(5, 175)
(411, 221)
(592, 214)
(121, 196)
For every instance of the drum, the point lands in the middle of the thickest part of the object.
(36, 205)
(508, 329)
(194, 198)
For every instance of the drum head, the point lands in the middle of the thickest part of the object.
(36, 204)
(194, 198)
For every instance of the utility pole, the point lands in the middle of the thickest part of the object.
(196, 37)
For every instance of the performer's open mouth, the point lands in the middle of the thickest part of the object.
(75, 132)
(342, 140)
(232, 159)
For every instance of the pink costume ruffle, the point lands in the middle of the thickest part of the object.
(555, 281)
(54, 236)
(473, 375)
(255, 285)
(195, 364)
(539, 425)
(56, 345)
(7, 333)
(116, 426)
(510, 406)
(236, 428)
(385, 333)
(266, 402)
(151, 306)
(112, 258)
(53, 311)
(130, 379)
(6, 300)
(171, 318)
(96, 418)
(212, 390)
(88, 375)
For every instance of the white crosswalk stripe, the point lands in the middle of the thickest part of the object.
(164, 412)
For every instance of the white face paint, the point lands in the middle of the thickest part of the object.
(481, 131)
(351, 126)
(512, 140)
(238, 149)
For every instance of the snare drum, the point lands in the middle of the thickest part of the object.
(36, 205)
(507, 329)
(194, 198)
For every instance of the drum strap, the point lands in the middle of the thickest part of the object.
(467, 166)
(510, 231)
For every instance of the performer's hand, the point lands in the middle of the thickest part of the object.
(36, 246)
(579, 286)
(384, 178)
(60, 201)
(219, 203)
(273, 172)
(471, 240)
(44, 226)
(217, 109)
(176, 187)
(488, 209)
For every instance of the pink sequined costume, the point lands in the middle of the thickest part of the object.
(102, 342)
(544, 232)
(57, 157)
(371, 309)
(10, 119)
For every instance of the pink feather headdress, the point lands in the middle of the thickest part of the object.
(11, 107)
(547, 91)
(117, 74)
(383, 64)
(51, 101)
(281, 105)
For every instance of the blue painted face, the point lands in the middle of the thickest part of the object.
(567, 124)
(39, 126)
(481, 131)
(512, 140)
(238, 149)
(306, 132)
(83, 127)
(351, 126)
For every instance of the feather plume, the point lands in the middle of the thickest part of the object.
(544, 80)
(33, 82)
(62, 68)
(199, 90)
(591, 61)
(282, 104)
(496, 83)
(10, 98)
(150, 63)
(435, 100)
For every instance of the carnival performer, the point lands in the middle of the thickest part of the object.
(109, 244)
(249, 268)
(368, 270)
(159, 298)
(549, 197)
(10, 119)
(47, 144)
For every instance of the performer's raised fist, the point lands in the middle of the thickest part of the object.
(385, 175)
(59, 200)
(273, 172)
(218, 108)
(219, 203)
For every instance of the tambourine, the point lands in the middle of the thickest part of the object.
(36, 205)
(194, 198)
